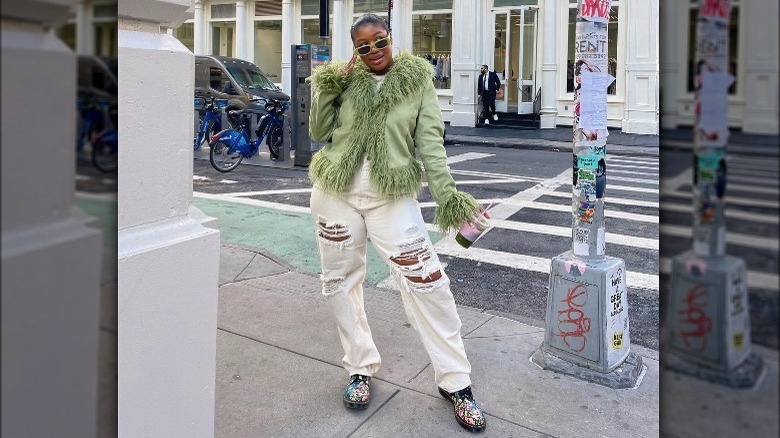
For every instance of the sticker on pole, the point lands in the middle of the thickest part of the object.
(715, 10)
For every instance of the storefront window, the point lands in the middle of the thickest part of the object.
(502, 3)
(223, 29)
(431, 5)
(268, 48)
(312, 7)
(67, 33)
(310, 29)
(432, 40)
(186, 34)
(371, 6)
(612, 43)
(733, 43)
(223, 11)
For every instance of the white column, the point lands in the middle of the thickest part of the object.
(669, 65)
(83, 28)
(466, 17)
(50, 254)
(249, 34)
(396, 26)
(549, 112)
(199, 29)
(287, 42)
(760, 67)
(240, 29)
(641, 109)
(168, 263)
(340, 28)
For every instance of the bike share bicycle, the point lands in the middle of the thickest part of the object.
(230, 146)
(211, 123)
(98, 128)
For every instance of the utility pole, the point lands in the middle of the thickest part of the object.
(586, 329)
(708, 320)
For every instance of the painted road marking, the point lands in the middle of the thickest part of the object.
(736, 214)
(228, 181)
(758, 242)
(736, 200)
(449, 247)
(611, 171)
(467, 156)
(555, 207)
(612, 200)
(612, 238)
(756, 279)
(634, 180)
(200, 178)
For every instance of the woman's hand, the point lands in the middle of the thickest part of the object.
(347, 69)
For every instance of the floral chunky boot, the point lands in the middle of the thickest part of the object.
(467, 412)
(357, 393)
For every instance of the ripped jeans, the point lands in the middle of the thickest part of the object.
(397, 231)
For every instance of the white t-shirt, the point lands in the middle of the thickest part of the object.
(379, 79)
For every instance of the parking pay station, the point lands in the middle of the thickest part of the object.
(306, 57)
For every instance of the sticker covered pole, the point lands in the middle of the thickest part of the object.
(586, 329)
(707, 330)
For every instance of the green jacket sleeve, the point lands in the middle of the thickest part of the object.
(327, 84)
(453, 207)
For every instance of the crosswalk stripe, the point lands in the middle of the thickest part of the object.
(652, 176)
(739, 239)
(633, 160)
(634, 180)
(755, 279)
(736, 214)
(449, 247)
(252, 202)
(736, 200)
(611, 166)
(631, 188)
(552, 230)
(748, 180)
(612, 200)
(496, 175)
(559, 208)
(467, 156)
(755, 189)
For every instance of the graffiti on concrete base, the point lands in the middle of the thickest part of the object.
(573, 325)
(694, 323)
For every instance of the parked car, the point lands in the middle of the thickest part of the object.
(233, 79)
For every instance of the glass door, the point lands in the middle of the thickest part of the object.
(501, 56)
(524, 31)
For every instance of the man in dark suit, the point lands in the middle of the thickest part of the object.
(487, 85)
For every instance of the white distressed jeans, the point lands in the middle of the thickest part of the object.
(397, 231)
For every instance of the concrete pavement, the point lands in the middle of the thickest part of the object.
(279, 371)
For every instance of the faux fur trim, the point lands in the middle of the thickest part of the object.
(406, 78)
(460, 207)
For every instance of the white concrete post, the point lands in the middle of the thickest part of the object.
(287, 42)
(50, 255)
(465, 18)
(396, 26)
(83, 28)
(669, 64)
(168, 262)
(240, 30)
(549, 111)
(199, 29)
(760, 82)
(640, 115)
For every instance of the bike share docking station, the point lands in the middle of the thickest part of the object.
(586, 327)
(306, 57)
(707, 333)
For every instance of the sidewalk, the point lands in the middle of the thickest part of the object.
(279, 372)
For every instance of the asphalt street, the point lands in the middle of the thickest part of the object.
(507, 270)
(751, 224)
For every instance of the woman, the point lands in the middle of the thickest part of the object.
(374, 116)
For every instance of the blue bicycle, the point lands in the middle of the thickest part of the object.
(230, 146)
(211, 123)
(98, 128)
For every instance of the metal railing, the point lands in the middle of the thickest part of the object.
(538, 108)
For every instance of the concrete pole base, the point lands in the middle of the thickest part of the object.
(628, 375)
(745, 376)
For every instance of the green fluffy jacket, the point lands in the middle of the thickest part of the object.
(389, 126)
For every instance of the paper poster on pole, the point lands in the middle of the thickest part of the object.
(593, 100)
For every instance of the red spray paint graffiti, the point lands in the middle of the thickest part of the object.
(715, 9)
(695, 325)
(572, 322)
(595, 8)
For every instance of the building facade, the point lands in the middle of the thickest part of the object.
(753, 53)
(529, 43)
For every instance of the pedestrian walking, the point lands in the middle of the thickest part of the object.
(374, 115)
(487, 86)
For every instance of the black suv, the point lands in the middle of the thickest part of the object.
(233, 79)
